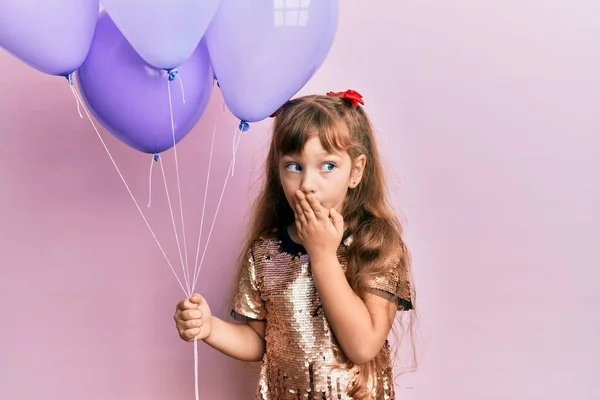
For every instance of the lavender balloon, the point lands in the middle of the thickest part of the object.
(264, 51)
(164, 32)
(130, 97)
(52, 36)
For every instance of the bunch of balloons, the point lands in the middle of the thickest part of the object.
(261, 52)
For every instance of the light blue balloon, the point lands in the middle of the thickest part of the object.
(264, 51)
(52, 36)
(164, 33)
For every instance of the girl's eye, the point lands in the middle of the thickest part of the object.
(328, 167)
(293, 167)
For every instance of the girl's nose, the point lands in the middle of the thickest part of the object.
(307, 185)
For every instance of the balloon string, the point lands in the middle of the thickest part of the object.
(155, 158)
(212, 145)
(185, 265)
(185, 277)
(127, 187)
(196, 269)
(214, 218)
(76, 98)
(182, 90)
(234, 149)
(196, 369)
(150, 183)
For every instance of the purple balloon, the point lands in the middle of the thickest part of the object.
(130, 97)
(51, 36)
(264, 51)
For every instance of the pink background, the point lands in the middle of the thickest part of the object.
(487, 112)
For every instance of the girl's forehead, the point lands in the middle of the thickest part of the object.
(313, 148)
(314, 145)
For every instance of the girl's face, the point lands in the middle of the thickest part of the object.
(327, 176)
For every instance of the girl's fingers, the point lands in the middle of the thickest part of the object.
(189, 334)
(320, 213)
(191, 314)
(195, 323)
(300, 213)
(306, 209)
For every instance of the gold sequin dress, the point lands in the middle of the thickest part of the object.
(302, 359)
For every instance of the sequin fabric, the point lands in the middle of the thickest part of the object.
(302, 359)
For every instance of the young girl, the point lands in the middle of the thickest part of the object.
(325, 269)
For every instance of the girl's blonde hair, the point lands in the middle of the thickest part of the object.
(376, 231)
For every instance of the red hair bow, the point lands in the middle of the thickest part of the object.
(352, 95)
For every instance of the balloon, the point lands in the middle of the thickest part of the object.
(52, 36)
(130, 97)
(264, 51)
(164, 32)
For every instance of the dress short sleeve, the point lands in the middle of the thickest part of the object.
(395, 283)
(248, 303)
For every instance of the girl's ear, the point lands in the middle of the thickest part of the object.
(358, 168)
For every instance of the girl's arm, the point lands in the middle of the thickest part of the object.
(361, 327)
(238, 340)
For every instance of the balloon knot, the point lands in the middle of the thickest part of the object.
(156, 157)
(172, 74)
(244, 126)
(69, 78)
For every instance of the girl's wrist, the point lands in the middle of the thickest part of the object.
(212, 330)
(323, 257)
